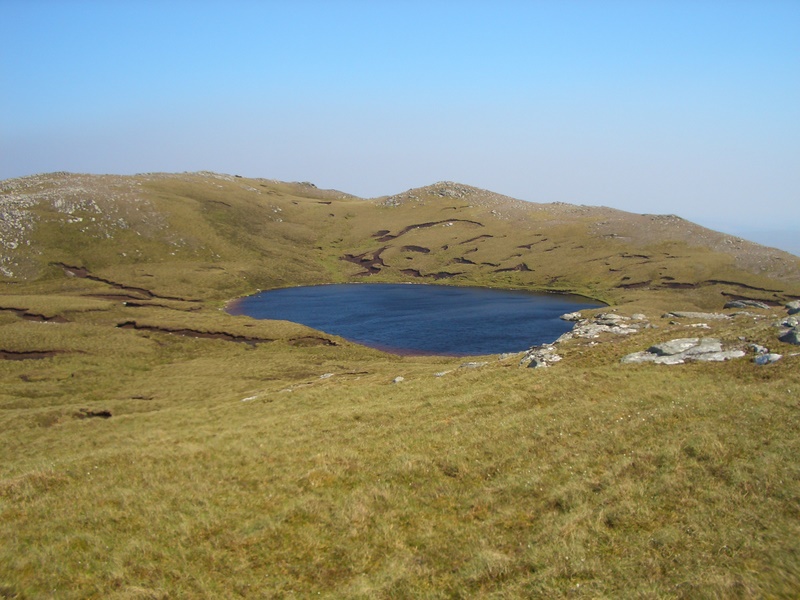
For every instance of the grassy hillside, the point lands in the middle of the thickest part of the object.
(156, 447)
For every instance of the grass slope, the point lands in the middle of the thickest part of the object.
(155, 447)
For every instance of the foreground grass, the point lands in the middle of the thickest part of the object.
(279, 471)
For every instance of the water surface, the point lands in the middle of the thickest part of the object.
(421, 319)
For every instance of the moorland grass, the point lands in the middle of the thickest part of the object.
(152, 463)
(231, 471)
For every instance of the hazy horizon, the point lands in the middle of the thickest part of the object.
(688, 108)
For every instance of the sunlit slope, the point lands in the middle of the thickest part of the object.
(210, 236)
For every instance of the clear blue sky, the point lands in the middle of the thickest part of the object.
(688, 107)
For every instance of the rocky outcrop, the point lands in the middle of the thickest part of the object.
(540, 356)
(603, 323)
(746, 304)
(791, 336)
(679, 351)
(768, 358)
(682, 314)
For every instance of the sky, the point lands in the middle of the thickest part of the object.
(687, 107)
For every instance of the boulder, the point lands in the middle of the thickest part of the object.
(765, 359)
(746, 304)
(638, 357)
(542, 356)
(793, 307)
(788, 322)
(706, 346)
(678, 351)
(673, 346)
(573, 316)
(792, 336)
(718, 356)
(683, 314)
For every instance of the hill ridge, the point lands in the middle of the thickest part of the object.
(259, 233)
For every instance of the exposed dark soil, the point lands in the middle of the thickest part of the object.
(31, 316)
(387, 236)
(28, 355)
(520, 267)
(372, 264)
(83, 273)
(196, 333)
(421, 249)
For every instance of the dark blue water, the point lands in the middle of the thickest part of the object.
(421, 319)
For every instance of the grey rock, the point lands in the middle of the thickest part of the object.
(718, 356)
(765, 359)
(676, 359)
(792, 336)
(682, 314)
(472, 365)
(593, 330)
(706, 346)
(793, 307)
(610, 319)
(398, 379)
(788, 322)
(758, 349)
(638, 317)
(746, 304)
(673, 346)
(639, 357)
(573, 316)
(678, 351)
(542, 356)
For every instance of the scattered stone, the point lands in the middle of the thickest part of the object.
(540, 356)
(398, 379)
(765, 359)
(793, 307)
(746, 304)
(678, 351)
(472, 365)
(638, 317)
(326, 375)
(758, 349)
(681, 314)
(788, 322)
(442, 373)
(792, 336)
(602, 323)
